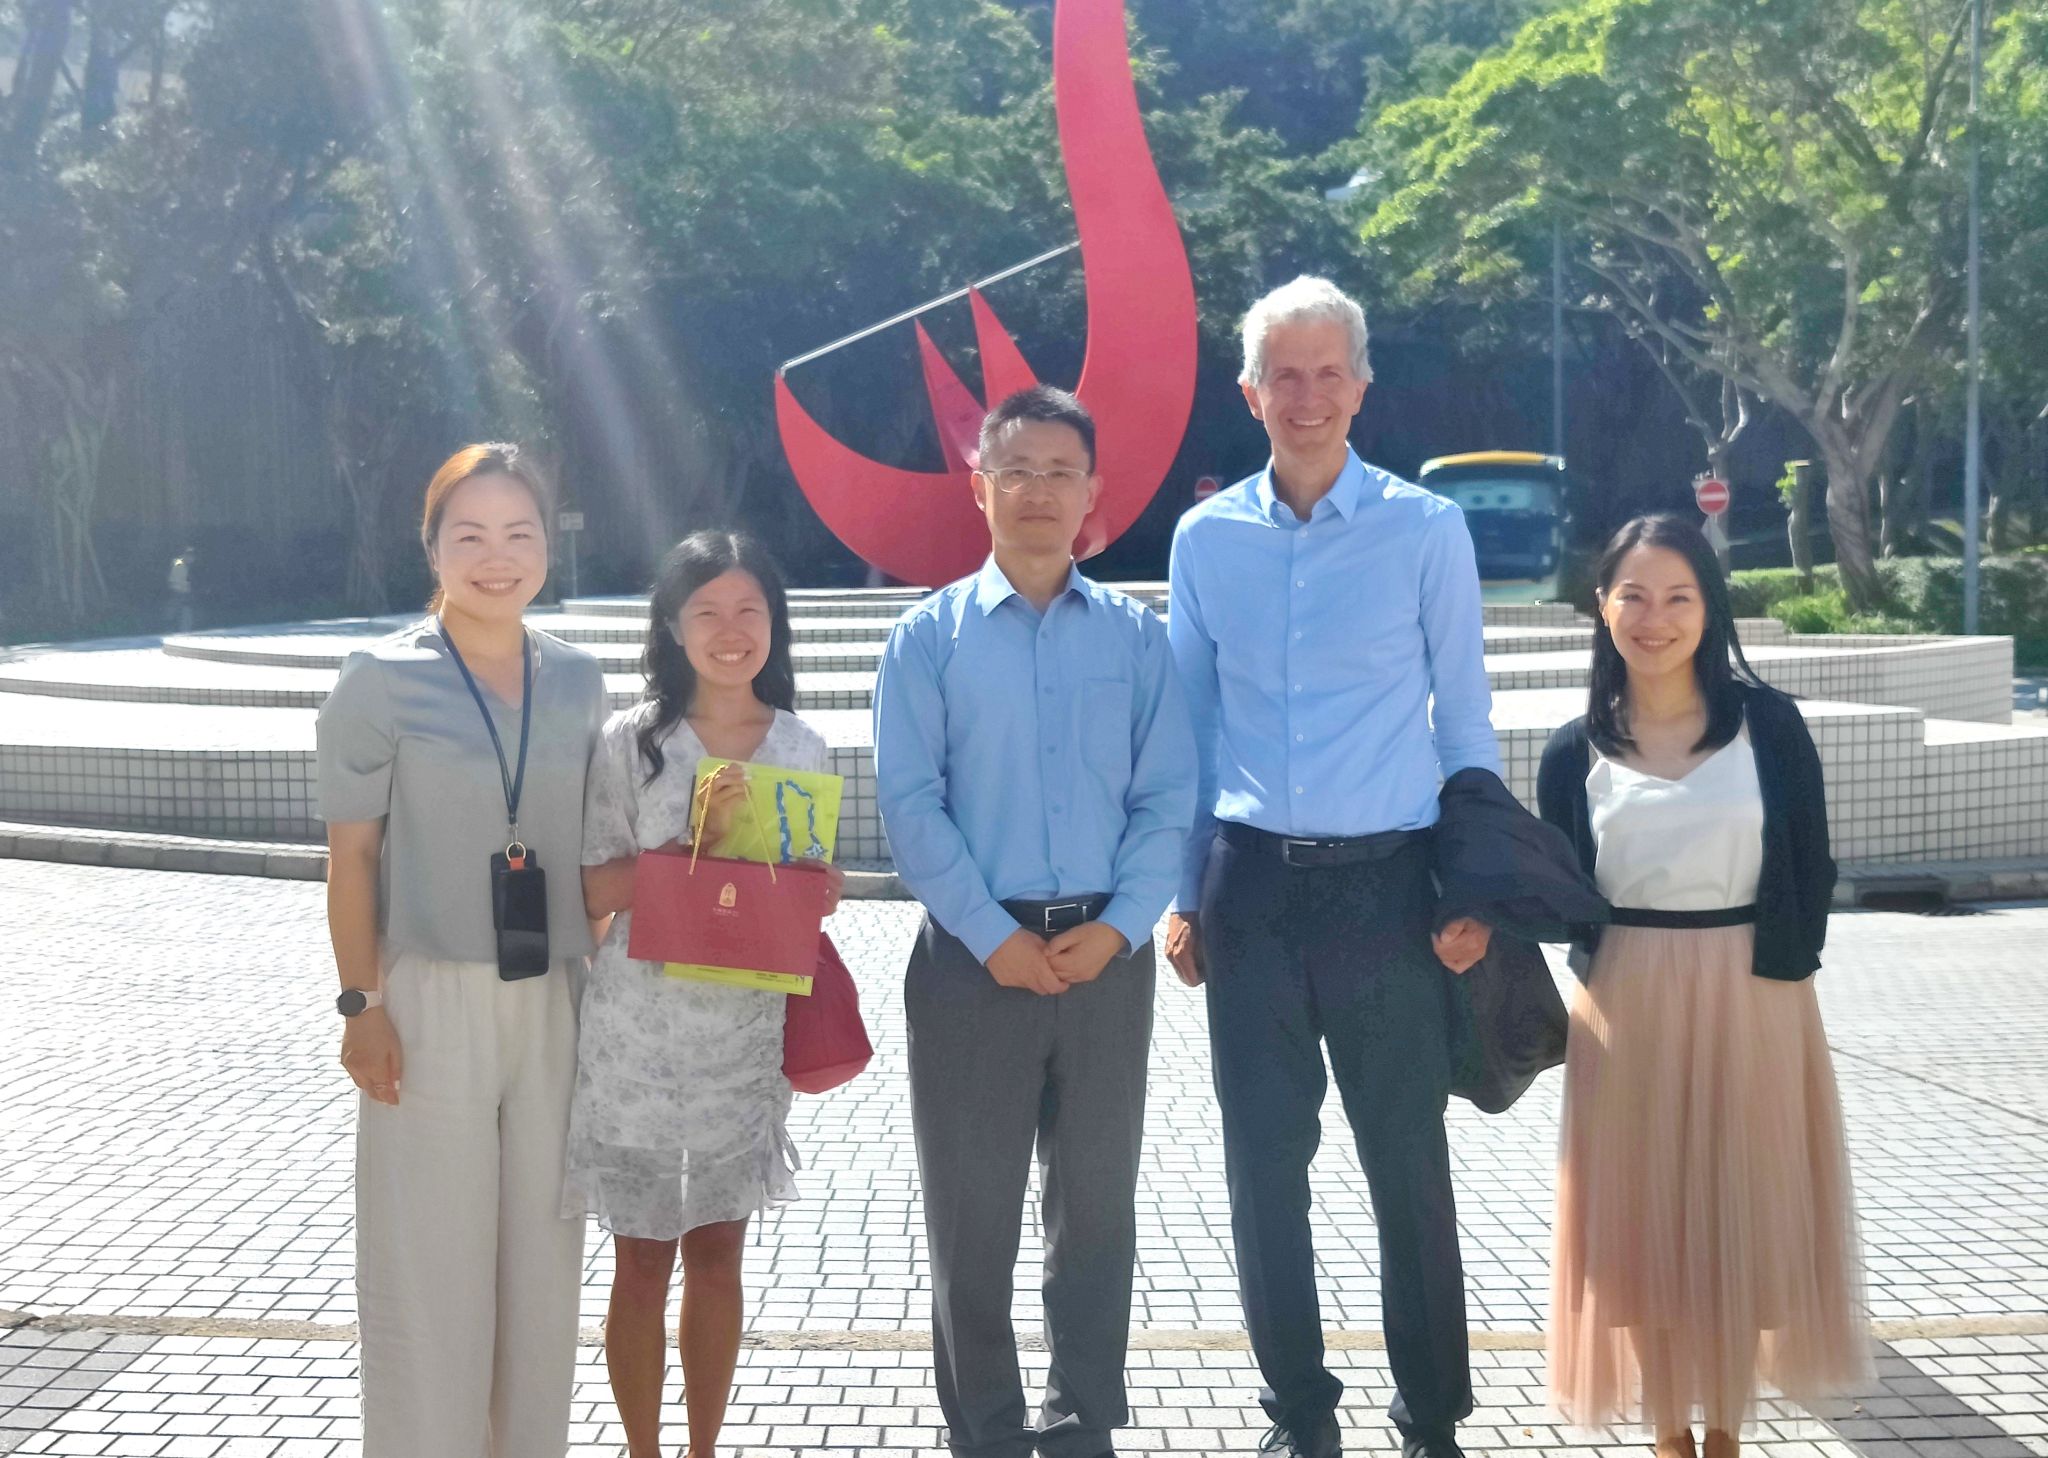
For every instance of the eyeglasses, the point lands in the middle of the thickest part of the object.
(1011, 479)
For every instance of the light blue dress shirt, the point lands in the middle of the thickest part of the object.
(1028, 757)
(1311, 651)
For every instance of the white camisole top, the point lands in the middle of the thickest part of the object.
(1692, 844)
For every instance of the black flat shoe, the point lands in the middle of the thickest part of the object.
(1320, 1438)
(1431, 1445)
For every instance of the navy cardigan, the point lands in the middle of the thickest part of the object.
(1798, 881)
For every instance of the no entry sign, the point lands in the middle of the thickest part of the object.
(1206, 487)
(1711, 494)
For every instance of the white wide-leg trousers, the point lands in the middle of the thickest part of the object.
(467, 1276)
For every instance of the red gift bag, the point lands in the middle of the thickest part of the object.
(738, 915)
(744, 923)
(824, 1041)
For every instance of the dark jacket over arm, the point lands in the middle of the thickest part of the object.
(1497, 862)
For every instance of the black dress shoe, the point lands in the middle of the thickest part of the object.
(1431, 1445)
(1315, 1438)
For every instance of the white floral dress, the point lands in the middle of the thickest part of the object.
(680, 1107)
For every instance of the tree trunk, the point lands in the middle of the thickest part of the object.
(1998, 524)
(158, 42)
(47, 31)
(1901, 485)
(1799, 521)
(1998, 483)
(1849, 520)
(362, 437)
(1895, 510)
(1925, 439)
(100, 93)
(364, 587)
(84, 414)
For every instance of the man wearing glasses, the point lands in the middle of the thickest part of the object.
(1036, 774)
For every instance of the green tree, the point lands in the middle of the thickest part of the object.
(1769, 193)
(263, 261)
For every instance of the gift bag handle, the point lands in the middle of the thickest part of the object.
(702, 810)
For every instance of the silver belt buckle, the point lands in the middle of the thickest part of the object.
(1046, 916)
(1287, 846)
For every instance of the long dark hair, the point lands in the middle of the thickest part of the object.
(1723, 672)
(671, 681)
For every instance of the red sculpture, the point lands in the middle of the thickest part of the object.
(1138, 377)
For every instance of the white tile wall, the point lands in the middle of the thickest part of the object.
(1915, 735)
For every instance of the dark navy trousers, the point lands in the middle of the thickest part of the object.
(1299, 958)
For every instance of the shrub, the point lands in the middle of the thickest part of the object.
(1923, 595)
(1819, 612)
(1757, 591)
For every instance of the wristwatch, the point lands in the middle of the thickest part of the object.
(354, 1000)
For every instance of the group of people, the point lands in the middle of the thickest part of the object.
(1057, 768)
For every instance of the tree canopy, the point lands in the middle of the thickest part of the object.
(263, 262)
(1770, 196)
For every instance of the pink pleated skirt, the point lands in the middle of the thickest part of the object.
(1706, 1230)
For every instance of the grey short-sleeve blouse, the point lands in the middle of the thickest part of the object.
(400, 739)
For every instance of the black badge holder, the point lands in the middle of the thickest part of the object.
(519, 887)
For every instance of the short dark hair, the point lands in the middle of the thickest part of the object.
(1045, 403)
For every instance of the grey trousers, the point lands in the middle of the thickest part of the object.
(994, 1071)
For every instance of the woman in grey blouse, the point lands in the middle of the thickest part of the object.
(467, 1276)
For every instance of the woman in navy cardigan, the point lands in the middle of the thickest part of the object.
(1706, 1237)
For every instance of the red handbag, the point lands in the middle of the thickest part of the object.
(824, 1041)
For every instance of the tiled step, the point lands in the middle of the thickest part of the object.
(1989, 786)
(888, 604)
(150, 676)
(1901, 787)
(588, 629)
(211, 734)
(286, 650)
(1952, 678)
(193, 769)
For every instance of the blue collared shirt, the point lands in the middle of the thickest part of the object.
(1311, 651)
(1029, 757)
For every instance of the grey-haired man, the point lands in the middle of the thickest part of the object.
(1326, 624)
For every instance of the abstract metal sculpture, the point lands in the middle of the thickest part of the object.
(1138, 377)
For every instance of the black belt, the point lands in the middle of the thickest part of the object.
(1685, 920)
(1049, 917)
(1316, 851)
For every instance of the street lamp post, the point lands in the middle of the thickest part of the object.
(1973, 434)
(1557, 338)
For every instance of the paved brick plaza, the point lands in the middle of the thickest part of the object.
(177, 1143)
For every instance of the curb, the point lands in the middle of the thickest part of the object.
(1915, 883)
(1922, 884)
(276, 860)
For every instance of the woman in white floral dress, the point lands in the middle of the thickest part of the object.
(677, 1131)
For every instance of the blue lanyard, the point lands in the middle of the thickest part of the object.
(515, 785)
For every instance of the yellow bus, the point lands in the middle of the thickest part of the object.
(1517, 508)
